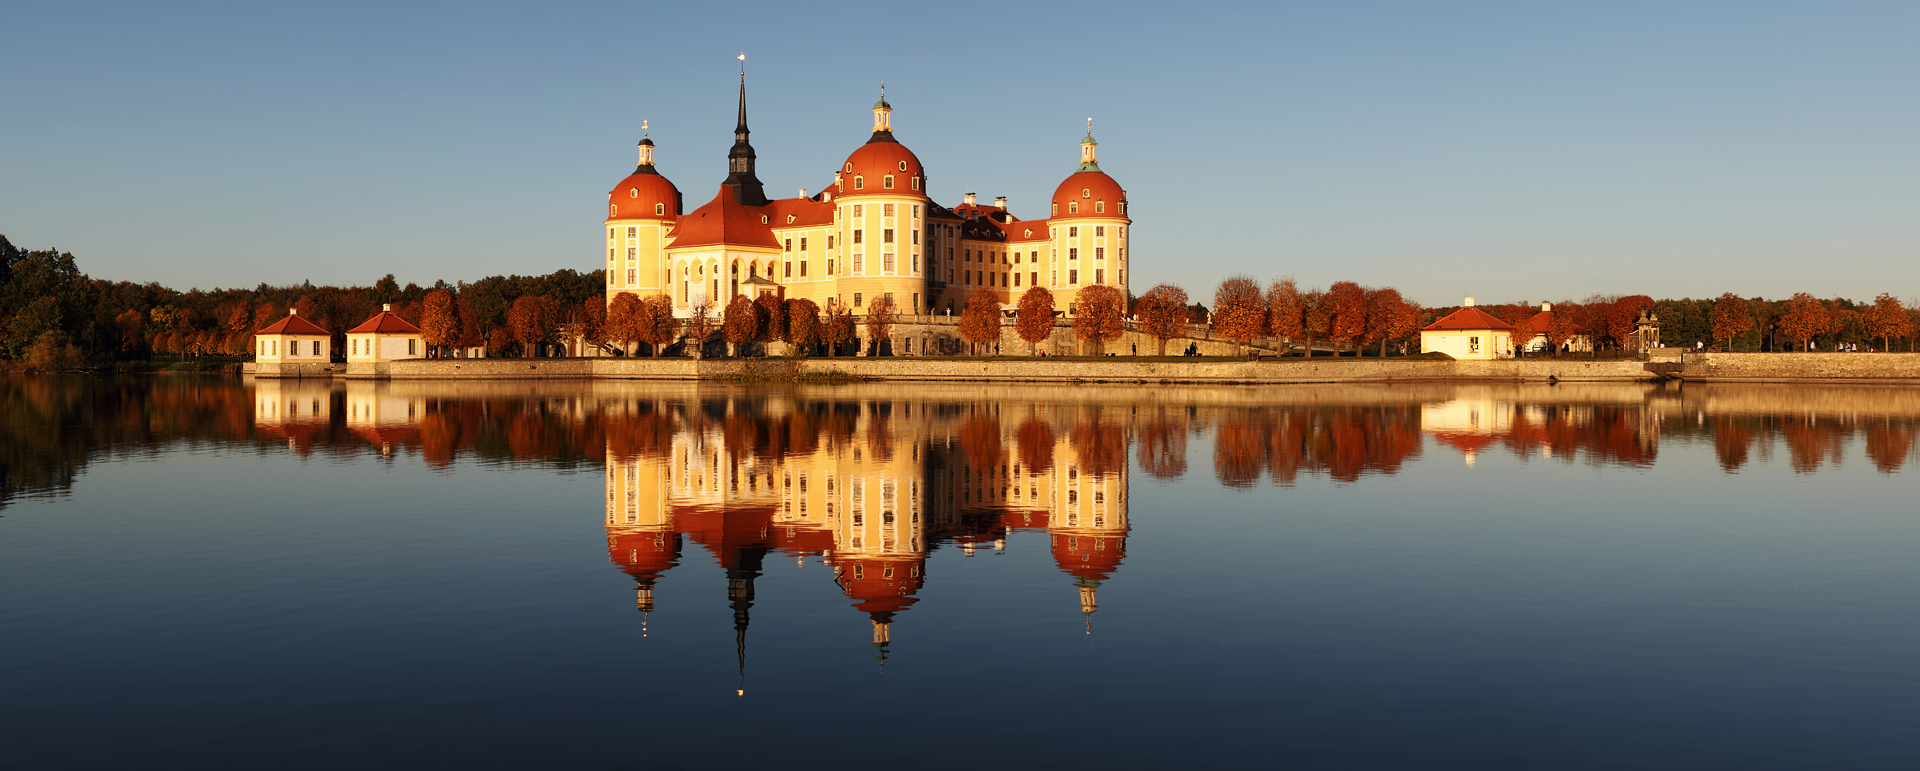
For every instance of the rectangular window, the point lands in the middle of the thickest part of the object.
(1099, 275)
(886, 210)
(886, 236)
(858, 236)
(789, 270)
(916, 263)
(859, 264)
(829, 242)
(1473, 345)
(859, 210)
(966, 277)
(889, 297)
(1016, 279)
(1073, 277)
(1033, 279)
(789, 245)
(886, 262)
(630, 232)
(632, 252)
(1099, 252)
(916, 305)
(916, 207)
(803, 268)
(276, 347)
(856, 299)
(1073, 232)
(803, 245)
(1100, 231)
(1073, 253)
(411, 343)
(632, 276)
(916, 238)
(1016, 258)
(1055, 278)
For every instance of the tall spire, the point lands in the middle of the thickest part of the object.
(747, 190)
(740, 575)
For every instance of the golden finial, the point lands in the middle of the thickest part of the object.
(643, 129)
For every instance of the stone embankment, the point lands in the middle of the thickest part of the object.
(1900, 368)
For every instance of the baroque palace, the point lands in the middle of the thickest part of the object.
(872, 232)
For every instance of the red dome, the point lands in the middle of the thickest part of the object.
(866, 580)
(1087, 188)
(1089, 555)
(643, 195)
(643, 553)
(873, 162)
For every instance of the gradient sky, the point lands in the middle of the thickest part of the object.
(1505, 150)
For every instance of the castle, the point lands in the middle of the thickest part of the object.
(870, 233)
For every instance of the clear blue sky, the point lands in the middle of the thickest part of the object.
(1505, 150)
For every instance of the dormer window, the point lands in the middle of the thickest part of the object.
(659, 208)
(613, 211)
(887, 182)
(1073, 208)
(859, 183)
(633, 192)
(1099, 206)
(916, 182)
(789, 219)
(849, 167)
(763, 219)
(1056, 210)
(1086, 193)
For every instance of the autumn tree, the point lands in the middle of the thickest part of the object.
(470, 335)
(1162, 312)
(1731, 318)
(1316, 316)
(1383, 308)
(803, 325)
(658, 328)
(1406, 321)
(623, 320)
(1806, 318)
(1562, 324)
(1096, 317)
(881, 316)
(741, 323)
(980, 322)
(439, 324)
(1286, 311)
(1239, 310)
(1349, 306)
(1887, 319)
(839, 330)
(1523, 331)
(531, 320)
(773, 312)
(1033, 321)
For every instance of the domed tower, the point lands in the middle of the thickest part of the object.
(640, 211)
(1088, 229)
(1088, 518)
(641, 539)
(880, 209)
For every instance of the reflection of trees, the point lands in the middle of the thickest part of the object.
(980, 440)
(1888, 445)
(1811, 441)
(1101, 445)
(1732, 441)
(1036, 445)
(1343, 442)
(1163, 446)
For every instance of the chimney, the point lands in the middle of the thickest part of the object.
(970, 199)
(1469, 302)
(388, 307)
(803, 192)
(293, 311)
(1546, 307)
(1001, 202)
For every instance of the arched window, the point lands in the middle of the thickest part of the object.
(612, 210)
(859, 183)
(763, 219)
(659, 208)
(633, 192)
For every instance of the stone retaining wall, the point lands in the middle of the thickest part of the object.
(1802, 367)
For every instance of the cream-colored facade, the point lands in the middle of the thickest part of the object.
(1469, 333)
(385, 337)
(291, 340)
(872, 232)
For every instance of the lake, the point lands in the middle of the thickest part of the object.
(218, 573)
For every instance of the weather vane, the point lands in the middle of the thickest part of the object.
(643, 129)
(743, 63)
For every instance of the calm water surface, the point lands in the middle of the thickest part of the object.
(212, 573)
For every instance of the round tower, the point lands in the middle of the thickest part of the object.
(640, 212)
(1088, 229)
(880, 210)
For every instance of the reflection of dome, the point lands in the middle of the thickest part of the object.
(1089, 556)
(644, 553)
(881, 586)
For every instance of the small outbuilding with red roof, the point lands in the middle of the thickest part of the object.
(385, 337)
(1469, 333)
(291, 340)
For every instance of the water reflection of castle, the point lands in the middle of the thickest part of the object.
(870, 487)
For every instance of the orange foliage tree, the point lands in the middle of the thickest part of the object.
(623, 320)
(803, 325)
(1286, 311)
(1349, 306)
(1239, 310)
(1523, 331)
(439, 323)
(1731, 318)
(839, 330)
(592, 322)
(774, 311)
(1806, 318)
(1096, 317)
(741, 324)
(980, 322)
(658, 328)
(1034, 319)
(1887, 319)
(1562, 325)
(531, 319)
(1406, 321)
(698, 325)
(881, 316)
(1383, 308)
(1316, 316)
(1162, 312)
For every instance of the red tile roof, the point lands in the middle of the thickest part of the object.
(292, 325)
(385, 322)
(1542, 319)
(1086, 188)
(724, 221)
(805, 212)
(1469, 318)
